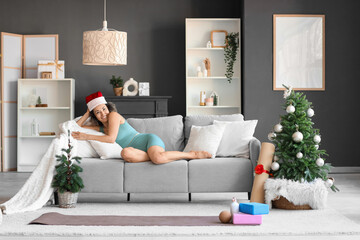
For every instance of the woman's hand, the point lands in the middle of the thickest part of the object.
(79, 135)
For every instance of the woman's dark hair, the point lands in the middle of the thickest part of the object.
(112, 108)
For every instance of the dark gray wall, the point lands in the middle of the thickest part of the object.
(156, 38)
(335, 108)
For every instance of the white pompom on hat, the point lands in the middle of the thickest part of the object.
(94, 100)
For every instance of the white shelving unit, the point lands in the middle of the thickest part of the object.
(198, 33)
(60, 97)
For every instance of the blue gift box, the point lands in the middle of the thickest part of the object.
(254, 208)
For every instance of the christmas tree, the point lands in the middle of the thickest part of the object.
(297, 155)
(67, 177)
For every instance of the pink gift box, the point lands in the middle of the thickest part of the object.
(247, 219)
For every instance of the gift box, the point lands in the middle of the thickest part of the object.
(55, 67)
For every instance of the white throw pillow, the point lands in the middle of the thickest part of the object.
(106, 150)
(236, 138)
(205, 138)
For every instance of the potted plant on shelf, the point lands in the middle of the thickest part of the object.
(39, 103)
(230, 53)
(117, 83)
(67, 180)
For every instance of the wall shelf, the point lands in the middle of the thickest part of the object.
(198, 33)
(44, 108)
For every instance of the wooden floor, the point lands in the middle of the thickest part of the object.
(347, 201)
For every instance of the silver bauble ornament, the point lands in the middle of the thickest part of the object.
(316, 147)
(271, 136)
(275, 166)
(320, 162)
(290, 109)
(299, 155)
(278, 128)
(329, 182)
(310, 112)
(297, 136)
(276, 158)
(302, 180)
(317, 139)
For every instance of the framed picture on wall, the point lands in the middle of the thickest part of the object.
(299, 52)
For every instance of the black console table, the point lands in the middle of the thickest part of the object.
(140, 106)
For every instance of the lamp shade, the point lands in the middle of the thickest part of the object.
(104, 48)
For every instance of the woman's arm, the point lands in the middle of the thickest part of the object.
(110, 137)
(82, 120)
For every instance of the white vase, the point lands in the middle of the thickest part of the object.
(128, 83)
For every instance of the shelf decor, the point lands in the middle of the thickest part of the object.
(299, 52)
(55, 67)
(218, 38)
(105, 47)
(230, 52)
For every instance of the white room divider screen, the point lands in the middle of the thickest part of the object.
(19, 58)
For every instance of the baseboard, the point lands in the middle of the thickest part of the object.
(345, 170)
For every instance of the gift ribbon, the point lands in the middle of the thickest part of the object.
(259, 169)
(58, 66)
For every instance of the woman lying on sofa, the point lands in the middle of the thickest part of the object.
(137, 147)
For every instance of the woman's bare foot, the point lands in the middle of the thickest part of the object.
(201, 154)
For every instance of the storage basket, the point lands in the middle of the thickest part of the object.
(68, 199)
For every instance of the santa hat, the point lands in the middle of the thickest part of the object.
(94, 100)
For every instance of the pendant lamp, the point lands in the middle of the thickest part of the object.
(105, 47)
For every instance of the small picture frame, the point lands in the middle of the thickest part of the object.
(218, 38)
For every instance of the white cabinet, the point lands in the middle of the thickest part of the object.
(198, 33)
(59, 95)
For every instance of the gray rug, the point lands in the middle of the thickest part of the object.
(54, 218)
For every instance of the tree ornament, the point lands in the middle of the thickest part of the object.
(271, 136)
(290, 109)
(297, 136)
(299, 155)
(320, 162)
(276, 158)
(329, 182)
(310, 112)
(278, 128)
(317, 139)
(275, 166)
(302, 180)
(316, 147)
(287, 92)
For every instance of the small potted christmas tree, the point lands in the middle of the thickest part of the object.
(117, 83)
(67, 180)
(297, 155)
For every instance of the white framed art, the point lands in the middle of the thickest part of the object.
(299, 52)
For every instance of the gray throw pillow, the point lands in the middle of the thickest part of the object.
(204, 120)
(169, 129)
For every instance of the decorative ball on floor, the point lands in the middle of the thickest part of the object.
(225, 216)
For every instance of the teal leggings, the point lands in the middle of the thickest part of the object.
(144, 141)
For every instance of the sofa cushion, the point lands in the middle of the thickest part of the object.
(102, 176)
(169, 129)
(220, 175)
(236, 138)
(204, 120)
(106, 150)
(146, 177)
(205, 138)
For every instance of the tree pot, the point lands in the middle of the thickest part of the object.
(283, 203)
(67, 199)
(118, 91)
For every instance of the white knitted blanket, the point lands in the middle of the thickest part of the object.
(314, 193)
(37, 189)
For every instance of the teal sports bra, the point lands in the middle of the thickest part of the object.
(125, 135)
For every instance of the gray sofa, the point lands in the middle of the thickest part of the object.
(229, 174)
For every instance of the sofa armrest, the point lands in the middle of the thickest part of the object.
(254, 147)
